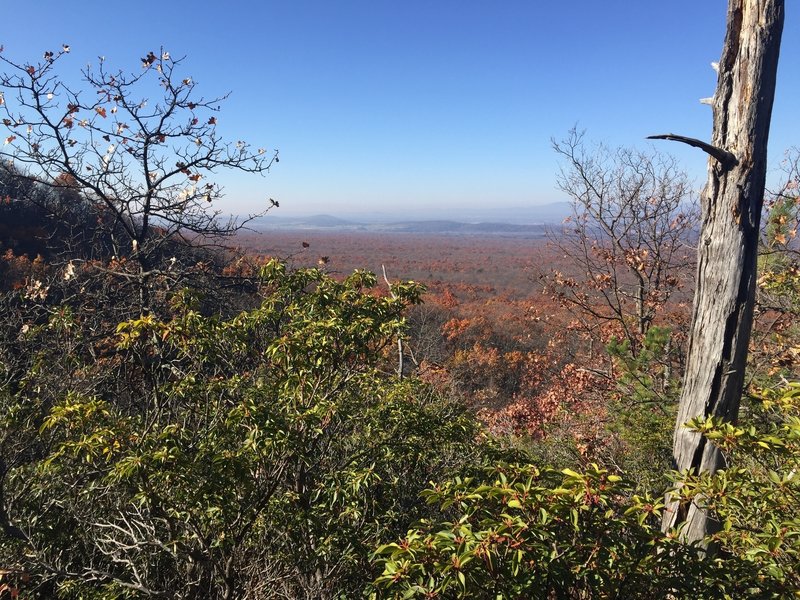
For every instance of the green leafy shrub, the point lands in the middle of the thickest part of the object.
(755, 499)
(265, 454)
(525, 533)
(641, 414)
(521, 532)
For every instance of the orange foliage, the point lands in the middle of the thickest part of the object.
(573, 391)
(495, 339)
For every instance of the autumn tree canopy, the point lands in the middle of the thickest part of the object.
(627, 237)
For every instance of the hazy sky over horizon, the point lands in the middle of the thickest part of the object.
(405, 107)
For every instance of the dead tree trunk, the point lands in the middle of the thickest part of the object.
(727, 250)
(400, 352)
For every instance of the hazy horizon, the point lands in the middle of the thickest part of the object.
(479, 213)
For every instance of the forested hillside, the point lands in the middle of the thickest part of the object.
(191, 411)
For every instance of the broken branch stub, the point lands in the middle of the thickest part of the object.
(725, 158)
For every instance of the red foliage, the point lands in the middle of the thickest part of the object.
(573, 391)
(487, 333)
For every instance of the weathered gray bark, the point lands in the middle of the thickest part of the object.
(727, 250)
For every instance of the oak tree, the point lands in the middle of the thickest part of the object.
(626, 238)
(139, 147)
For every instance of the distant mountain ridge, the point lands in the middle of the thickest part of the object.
(531, 221)
(441, 226)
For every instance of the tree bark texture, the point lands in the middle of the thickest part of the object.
(727, 249)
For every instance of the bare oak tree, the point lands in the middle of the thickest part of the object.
(627, 237)
(731, 205)
(139, 147)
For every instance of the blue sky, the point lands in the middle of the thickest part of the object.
(419, 106)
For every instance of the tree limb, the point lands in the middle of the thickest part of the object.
(725, 158)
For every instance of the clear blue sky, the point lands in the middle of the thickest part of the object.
(406, 106)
